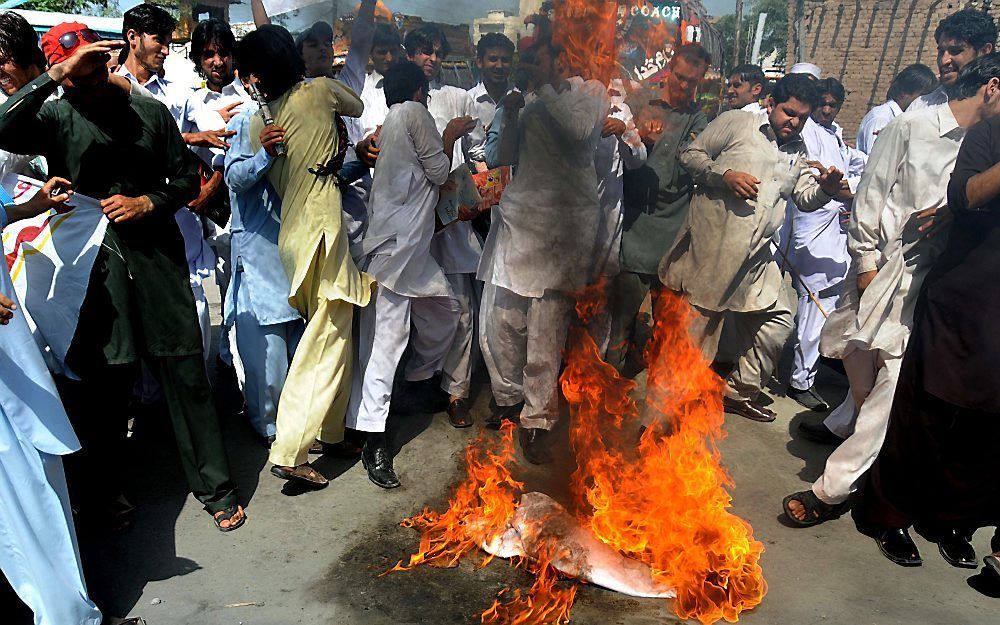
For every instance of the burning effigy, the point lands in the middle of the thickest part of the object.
(651, 520)
(646, 516)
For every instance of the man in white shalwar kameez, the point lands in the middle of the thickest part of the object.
(960, 37)
(893, 245)
(414, 303)
(38, 549)
(544, 241)
(456, 248)
(914, 81)
(815, 243)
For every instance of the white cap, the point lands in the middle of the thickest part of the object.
(807, 68)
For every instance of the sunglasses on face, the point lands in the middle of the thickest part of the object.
(71, 39)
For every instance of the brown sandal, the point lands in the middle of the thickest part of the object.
(304, 473)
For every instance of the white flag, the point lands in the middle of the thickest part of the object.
(50, 258)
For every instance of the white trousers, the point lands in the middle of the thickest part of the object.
(385, 327)
(456, 369)
(522, 339)
(38, 550)
(873, 380)
(809, 323)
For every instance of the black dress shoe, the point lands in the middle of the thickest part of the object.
(956, 549)
(499, 414)
(808, 398)
(377, 461)
(896, 545)
(458, 413)
(748, 409)
(535, 444)
(819, 433)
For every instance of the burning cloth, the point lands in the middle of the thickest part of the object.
(540, 521)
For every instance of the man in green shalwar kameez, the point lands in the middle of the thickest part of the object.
(127, 151)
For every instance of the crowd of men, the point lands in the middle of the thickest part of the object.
(312, 197)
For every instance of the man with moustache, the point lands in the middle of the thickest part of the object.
(386, 50)
(456, 248)
(656, 195)
(315, 46)
(815, 243)
(139, 302)
(544, 241)
(210, 109)
(745, 165)
(960, 37)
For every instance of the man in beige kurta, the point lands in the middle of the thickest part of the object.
(745, 165)
(325, 283)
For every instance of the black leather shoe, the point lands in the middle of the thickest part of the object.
(956, 549)
(896, 545)
(535, 444)
(458, 413)
(499, 414)
(819, 433)
(377, 461)
(808, 398)
(748, 410)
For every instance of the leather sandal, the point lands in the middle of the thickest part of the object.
(304, 474)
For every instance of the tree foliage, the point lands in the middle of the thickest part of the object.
(775, 38)
(103, 8)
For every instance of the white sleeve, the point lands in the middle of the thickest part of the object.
(428, 144)
(873, 195)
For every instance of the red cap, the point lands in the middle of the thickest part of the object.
(53, 50)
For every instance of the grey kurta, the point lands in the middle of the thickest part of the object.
(722, 258)
(657, 194)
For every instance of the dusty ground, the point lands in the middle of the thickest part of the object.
(315, 558)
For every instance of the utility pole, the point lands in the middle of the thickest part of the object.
(739, 30)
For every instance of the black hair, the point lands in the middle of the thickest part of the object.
(693, 53)
(974, 75)
(423, 40)
(492, 41)
(386, 36)
(402, 80)
(802, 87)
(208, 32)
(974, 27)
(148, 19)
(833, 87)
(752, 74)
(269, 53)
(914, 79)
(19, 41)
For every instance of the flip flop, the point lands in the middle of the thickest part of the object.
(227, 515)
(817, 511)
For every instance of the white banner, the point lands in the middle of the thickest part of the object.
(50, 258)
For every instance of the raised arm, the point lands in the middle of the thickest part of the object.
(362, 36)
(630, 146)
(23, 127)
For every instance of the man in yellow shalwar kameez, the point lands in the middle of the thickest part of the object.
(325, 283)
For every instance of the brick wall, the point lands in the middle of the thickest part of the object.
(865, 43)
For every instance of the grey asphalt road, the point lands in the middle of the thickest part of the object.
(316, 558)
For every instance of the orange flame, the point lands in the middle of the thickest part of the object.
(546, 603)
(477, 512)
(664, 503)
